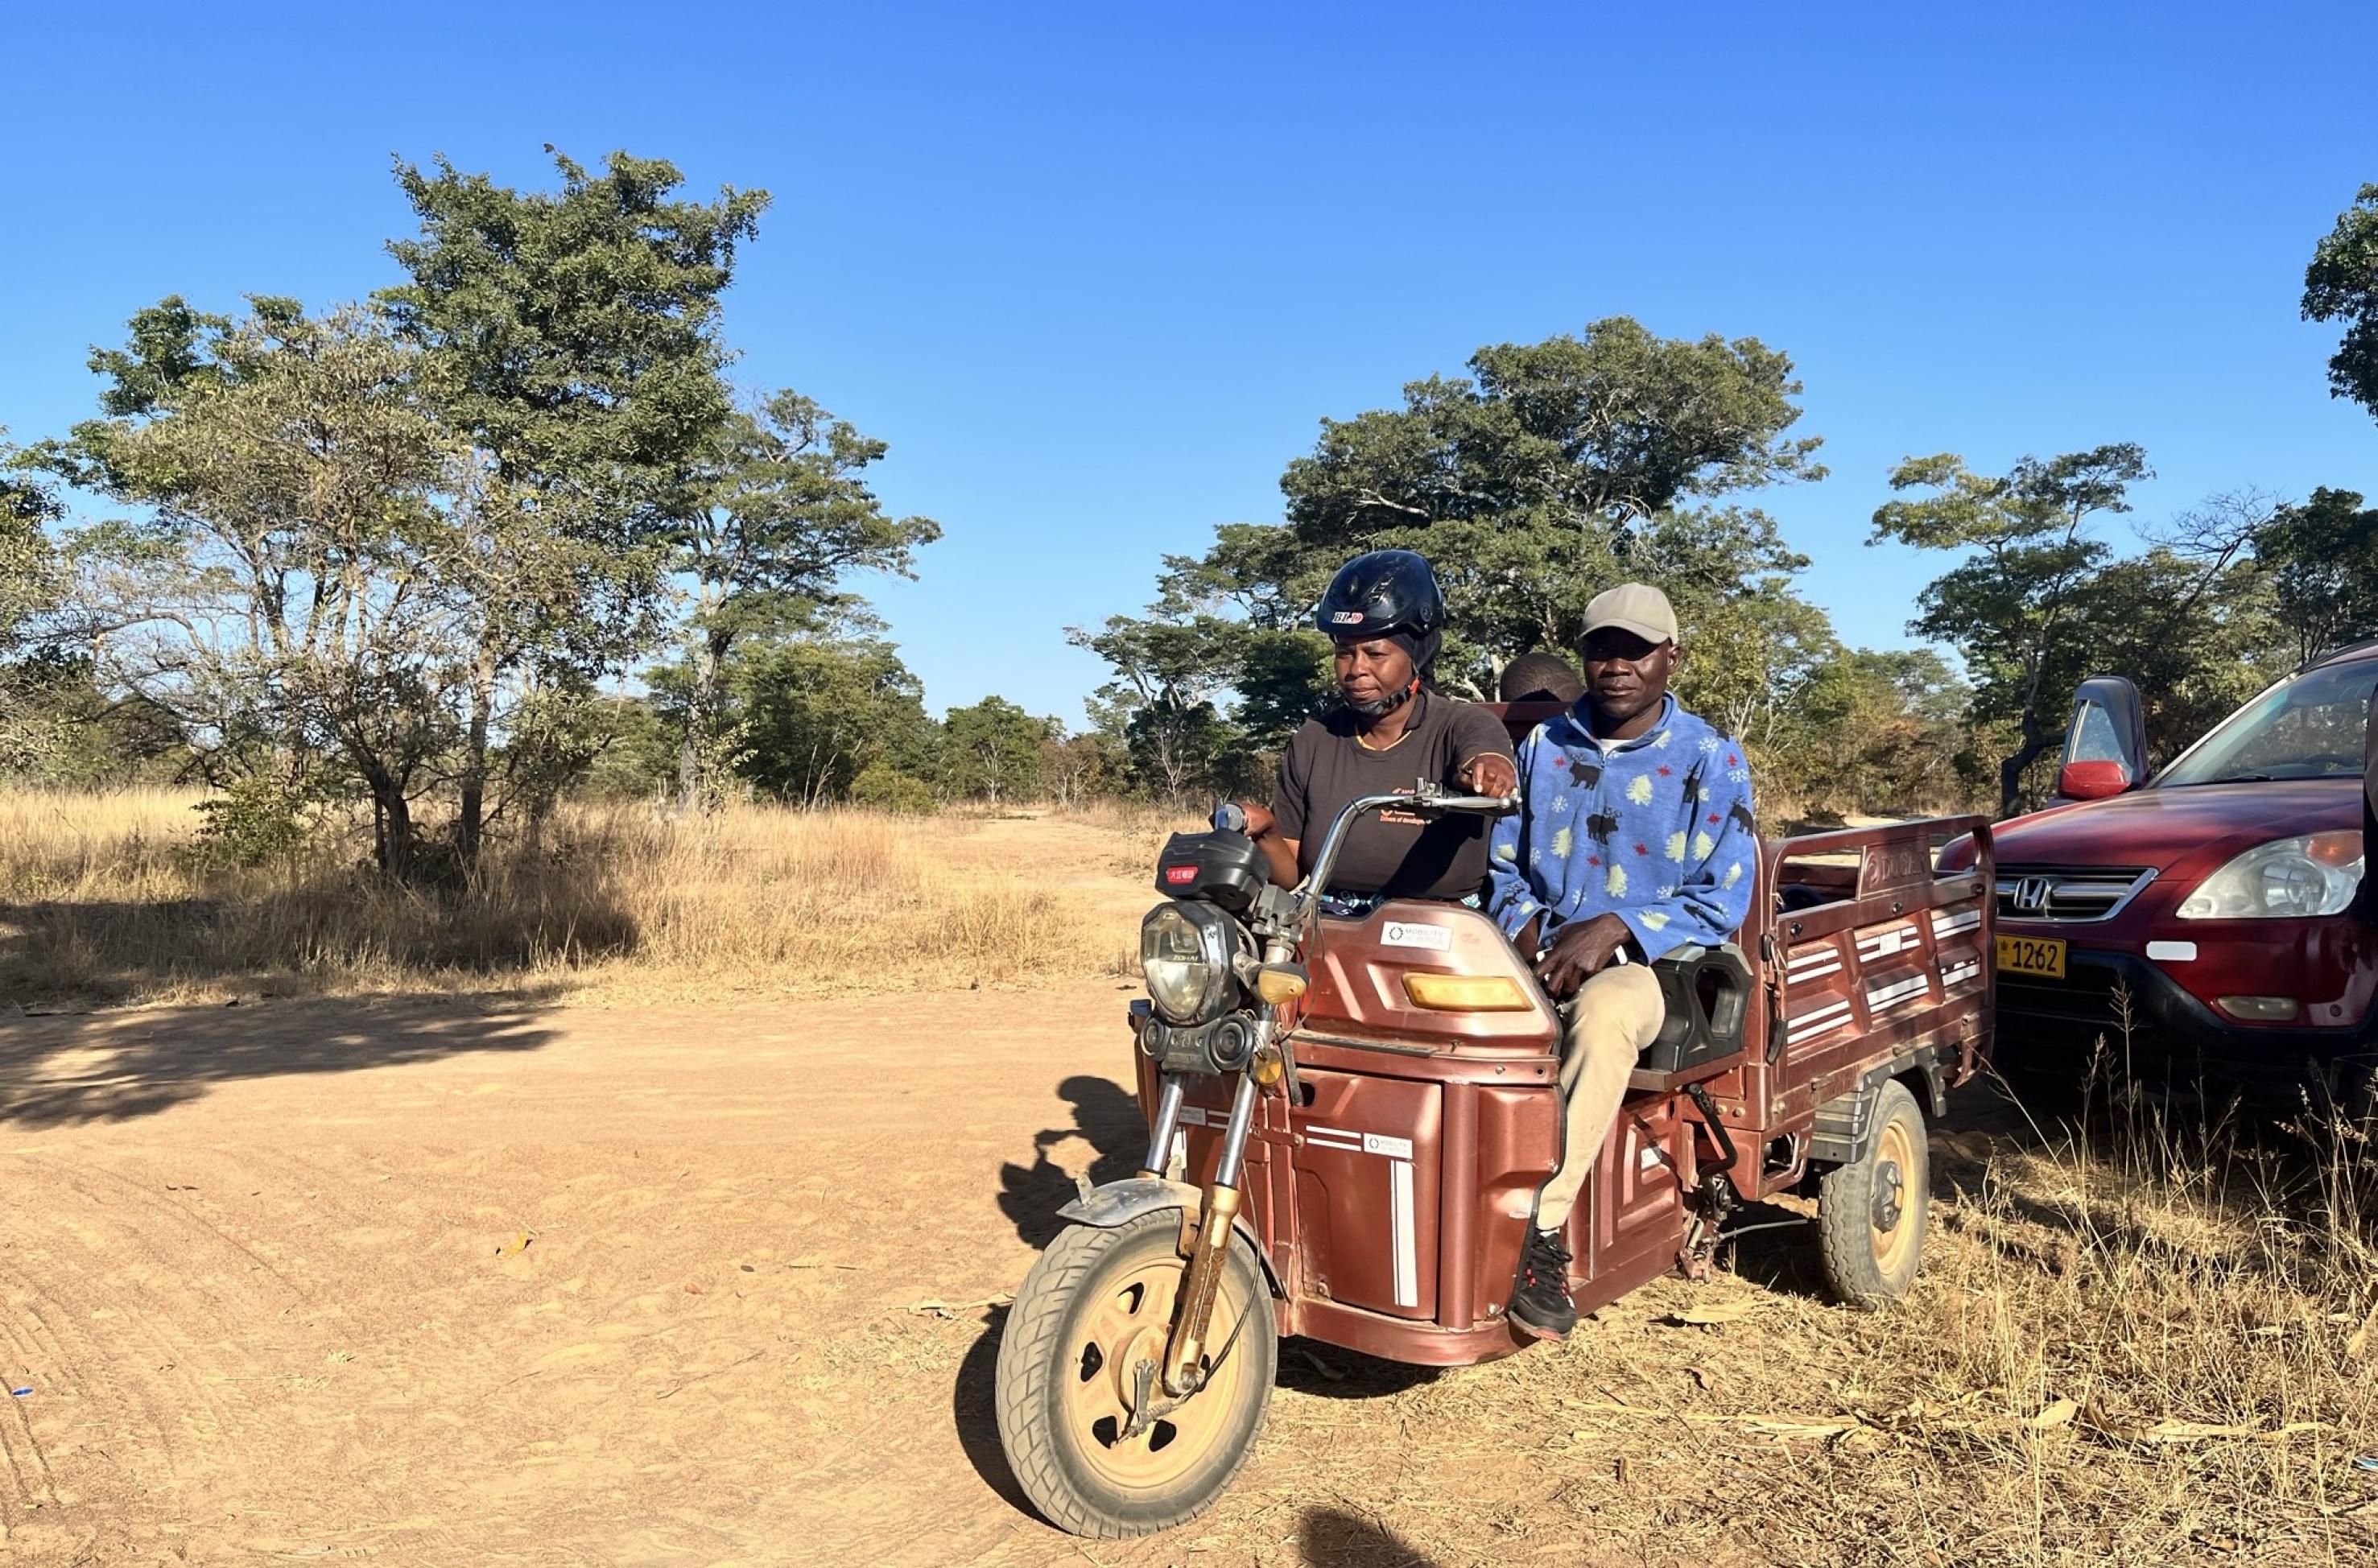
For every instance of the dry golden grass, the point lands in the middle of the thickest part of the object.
(2127, 1346)
(102, 898)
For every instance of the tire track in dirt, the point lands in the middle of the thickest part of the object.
(151, 1309)
(651, 1379)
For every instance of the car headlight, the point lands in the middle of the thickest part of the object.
(2291, 878)
(1184, 956)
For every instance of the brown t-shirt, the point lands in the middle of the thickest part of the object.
(1393, 852)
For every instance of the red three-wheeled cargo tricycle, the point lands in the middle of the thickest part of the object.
(1350, 1119)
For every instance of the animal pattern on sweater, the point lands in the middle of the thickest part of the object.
(1631, 827)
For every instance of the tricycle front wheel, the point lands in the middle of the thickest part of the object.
(1872, 1213)
(1094, 1308)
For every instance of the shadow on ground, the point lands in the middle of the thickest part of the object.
(973, 1409)
(1334, 1538)
(1329, 1372)
(1107, 1117)
(63, 1070)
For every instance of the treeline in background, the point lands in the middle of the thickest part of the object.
(505, 533)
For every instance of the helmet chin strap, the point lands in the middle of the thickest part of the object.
(1386, 705)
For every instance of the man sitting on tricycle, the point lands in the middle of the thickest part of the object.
(1634, 839)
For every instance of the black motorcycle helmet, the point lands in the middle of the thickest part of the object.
(1378, 594)
(1387, 594)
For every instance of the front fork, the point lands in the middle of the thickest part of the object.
(1183, 1370)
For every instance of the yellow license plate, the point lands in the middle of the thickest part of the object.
(2032, 955)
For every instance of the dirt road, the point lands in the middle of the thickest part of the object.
(427, 1283)
(432, 1283)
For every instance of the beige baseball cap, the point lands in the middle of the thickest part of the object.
(1633, 606)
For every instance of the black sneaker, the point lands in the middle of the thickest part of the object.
(1541, 1305)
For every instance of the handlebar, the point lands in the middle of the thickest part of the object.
(1427, 795)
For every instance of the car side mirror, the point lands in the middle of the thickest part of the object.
(2106, 738)
(2091, 781)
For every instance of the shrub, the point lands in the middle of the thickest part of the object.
(882, 787)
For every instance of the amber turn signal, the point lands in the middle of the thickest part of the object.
(1278, 983)
(1465, 993)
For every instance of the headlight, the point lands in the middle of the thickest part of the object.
(2290, 877)
(1184, 955)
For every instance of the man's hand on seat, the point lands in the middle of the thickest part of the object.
(1580, 951)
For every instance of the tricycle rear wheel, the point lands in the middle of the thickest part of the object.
(1872, 1214)
(1097, 1304)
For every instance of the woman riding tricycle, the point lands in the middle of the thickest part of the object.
(1359, 1101)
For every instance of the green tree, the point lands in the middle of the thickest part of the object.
(2197, 639)
(1587, 432)
(1876, 731)
(35, 726)
(2341, 284)
(1283, 678)
(637, 754)
(306, 578)
(2322, 557)
(1553, 471)
(28, 568)
(573, 336)
(2008, 609)
(1168, 672)
(992, 749)
(1075, 768)
(818, 709)
(785, 515)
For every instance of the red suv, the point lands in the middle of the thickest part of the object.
(2222, 894)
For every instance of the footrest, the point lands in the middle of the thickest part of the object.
(1658, 1081)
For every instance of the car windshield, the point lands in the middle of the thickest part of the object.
(2309, 727)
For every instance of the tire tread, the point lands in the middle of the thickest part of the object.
(1026, 1349)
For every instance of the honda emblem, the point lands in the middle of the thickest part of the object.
(2031, 894)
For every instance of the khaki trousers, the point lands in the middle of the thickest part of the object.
(1614, 1015)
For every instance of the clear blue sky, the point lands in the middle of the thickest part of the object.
(1095, 272)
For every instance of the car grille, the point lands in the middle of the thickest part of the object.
(2085, 999)
(2068, 893)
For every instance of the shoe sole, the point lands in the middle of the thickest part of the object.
(1536, 1331)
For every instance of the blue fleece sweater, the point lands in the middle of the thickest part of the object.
(1657, 830)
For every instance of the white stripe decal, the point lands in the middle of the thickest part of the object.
(1950, 925)
(1797, 1035)
(1817, 1022)
(1814, 973)
(1406, 1248)
(1896, 993)
(1811, 955)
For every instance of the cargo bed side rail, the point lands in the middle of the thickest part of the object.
(1891, 975)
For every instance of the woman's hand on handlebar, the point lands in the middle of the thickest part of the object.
(1491, 773)
(1279, 853)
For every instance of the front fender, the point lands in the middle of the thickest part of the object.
(1119, 1202)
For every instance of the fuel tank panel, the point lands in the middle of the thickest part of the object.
(1365, 972)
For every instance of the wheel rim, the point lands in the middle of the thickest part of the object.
(1125, 1325)
(1891, 1227)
